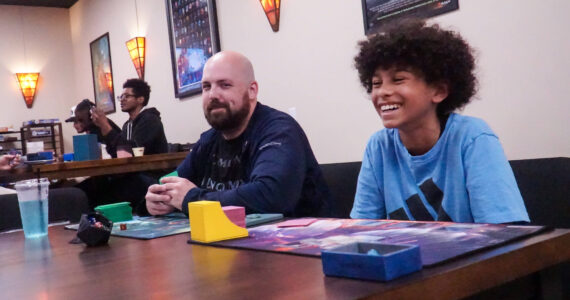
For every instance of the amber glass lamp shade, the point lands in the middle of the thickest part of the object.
(28, 83)
(136, 47)
(271, 9)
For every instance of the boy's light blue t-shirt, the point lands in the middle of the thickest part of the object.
(465, 177)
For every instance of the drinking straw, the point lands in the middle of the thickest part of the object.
(40, 198)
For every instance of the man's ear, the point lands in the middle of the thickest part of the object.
(252, 90)
(441, 91)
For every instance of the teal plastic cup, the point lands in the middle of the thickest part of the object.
(33, 201)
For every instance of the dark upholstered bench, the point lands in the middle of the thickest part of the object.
(544, 184)
(64, 204)
(341, 179)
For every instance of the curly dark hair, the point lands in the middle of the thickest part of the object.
(436, 55)
(140, 88)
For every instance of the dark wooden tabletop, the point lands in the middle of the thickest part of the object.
(168, 267)
(63, 170)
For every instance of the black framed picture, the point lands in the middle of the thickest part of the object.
(193, 31)
(102, 71)
(376, 12)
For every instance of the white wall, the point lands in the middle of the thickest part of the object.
(522, 54)
(47, 50)
(524, 59)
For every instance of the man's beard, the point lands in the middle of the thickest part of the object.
(230, 120)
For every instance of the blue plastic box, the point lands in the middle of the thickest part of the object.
(85, 147)
(388, 262)
(68, 157)
(44, 155)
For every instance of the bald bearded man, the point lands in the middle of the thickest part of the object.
(253, 156)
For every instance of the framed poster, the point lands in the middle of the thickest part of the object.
(376, 12)
(193, 31)
(102, 73)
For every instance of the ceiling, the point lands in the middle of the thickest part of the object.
(45, 3)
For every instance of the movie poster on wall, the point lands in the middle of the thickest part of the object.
(102, 71)
(377, 12)
(194, 38)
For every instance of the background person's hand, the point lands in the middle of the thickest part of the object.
(100, 120)
(123, 153)
(9, 161)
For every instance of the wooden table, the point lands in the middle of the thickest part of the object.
(169, 268)
(63, 170)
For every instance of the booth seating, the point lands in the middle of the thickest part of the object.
(64, 204)
(341, 179)
(545, 187)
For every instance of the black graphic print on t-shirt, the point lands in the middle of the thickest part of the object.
(225, 168)
(433, 195)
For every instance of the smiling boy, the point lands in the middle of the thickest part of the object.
(429, 163)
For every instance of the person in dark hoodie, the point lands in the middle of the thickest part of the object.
(143, 129)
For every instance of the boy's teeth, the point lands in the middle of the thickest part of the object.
(389, 107)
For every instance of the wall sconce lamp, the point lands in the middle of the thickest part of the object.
(136, 47)
(272, 9)
(28, 83)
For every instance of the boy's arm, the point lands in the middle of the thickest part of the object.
(369, 200)
(493, 192)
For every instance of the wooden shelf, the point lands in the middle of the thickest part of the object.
(52, 141)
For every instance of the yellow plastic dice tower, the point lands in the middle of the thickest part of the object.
(209, 223)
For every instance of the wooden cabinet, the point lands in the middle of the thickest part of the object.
(49, 133)
(10, 140)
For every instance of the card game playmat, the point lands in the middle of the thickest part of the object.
(438, 241)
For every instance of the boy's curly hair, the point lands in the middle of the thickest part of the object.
(435, 54)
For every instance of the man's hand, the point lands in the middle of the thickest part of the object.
(157, 202)
(9, 161)
(177, 188)
(100, 120)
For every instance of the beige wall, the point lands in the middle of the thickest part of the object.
(47, 50)
(524, 58)
(522, 54)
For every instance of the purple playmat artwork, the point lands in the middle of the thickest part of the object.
(438, 241)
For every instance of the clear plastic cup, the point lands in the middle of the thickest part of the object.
(33, 201)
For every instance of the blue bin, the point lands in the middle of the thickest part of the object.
(85, 147)
(388, 262)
